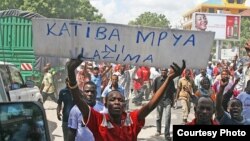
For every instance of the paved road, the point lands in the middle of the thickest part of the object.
(146, 134)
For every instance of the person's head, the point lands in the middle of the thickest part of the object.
(114, 80)
(210, 63)
(122, 68)
(201, 22)
(115, 102)
(187, 73)
(89, 93)
(48, 65)
(234, 107)
(204, 110)
(164, 72)
(225, 74)
(205, 83)
(45, 69)
(96, 70)
(203, 72)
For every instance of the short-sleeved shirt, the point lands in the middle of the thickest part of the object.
(183, 82)
(145, 73)
(66, 99)
(76, 122)
(139, 80)
(105, 130)
(47, 81)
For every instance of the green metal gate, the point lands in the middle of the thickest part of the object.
(16, 42)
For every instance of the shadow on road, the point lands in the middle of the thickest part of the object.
(52, 127)
(148, 126)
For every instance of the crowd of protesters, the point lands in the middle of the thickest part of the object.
(219, 94)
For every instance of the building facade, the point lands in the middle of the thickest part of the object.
(214, 6)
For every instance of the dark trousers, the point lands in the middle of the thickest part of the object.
(51, 95)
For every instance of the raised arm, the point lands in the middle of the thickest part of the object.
(106, 71)
(149, 107)
(219, 97)
(226, 97)
(72, 65)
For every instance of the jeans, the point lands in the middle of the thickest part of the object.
(146, 89)
(167, 107)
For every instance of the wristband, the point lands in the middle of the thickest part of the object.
(72, 87)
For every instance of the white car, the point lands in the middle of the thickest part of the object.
(15, 87)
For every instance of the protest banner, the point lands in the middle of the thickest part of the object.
(105, 42)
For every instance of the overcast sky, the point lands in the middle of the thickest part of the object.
(123, 11)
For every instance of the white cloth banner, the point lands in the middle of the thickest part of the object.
(105, 42)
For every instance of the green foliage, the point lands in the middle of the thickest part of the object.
(64, 9)
(151, 19)
(245, 29)
(10, 4)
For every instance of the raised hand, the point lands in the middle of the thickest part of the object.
(73, 64)
(177, 70)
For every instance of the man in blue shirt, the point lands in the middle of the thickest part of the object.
(67, 100)
(113, 86)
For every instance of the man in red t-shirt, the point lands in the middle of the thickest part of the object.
(116, 125)
(138, 91)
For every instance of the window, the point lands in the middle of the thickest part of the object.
(230, 1)
(15, 75)
(5, 76)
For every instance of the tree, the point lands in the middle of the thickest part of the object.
(65, 9)
(245, 32)
(151, 19)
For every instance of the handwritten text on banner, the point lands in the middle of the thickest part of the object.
(124, 44)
